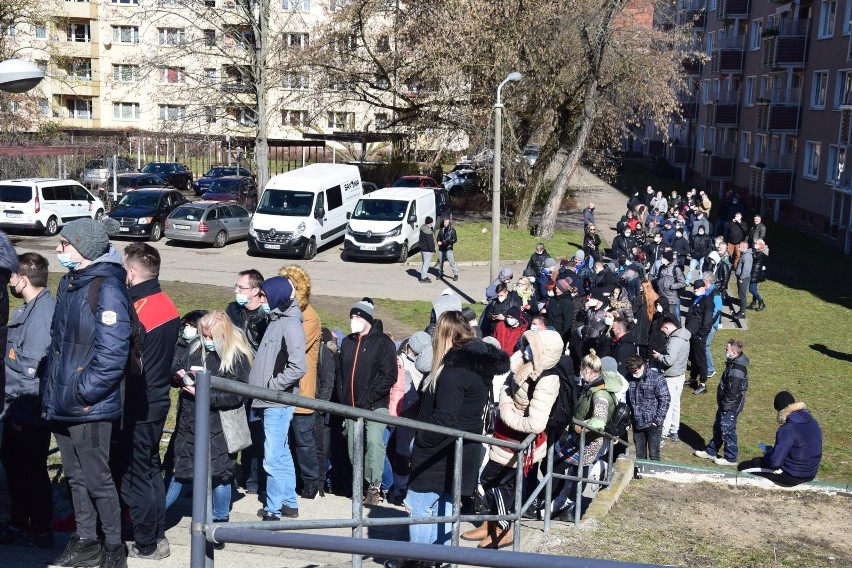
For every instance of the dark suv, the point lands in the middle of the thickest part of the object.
(240, 189)
(178, 175)
(202, 184)
(142, 213)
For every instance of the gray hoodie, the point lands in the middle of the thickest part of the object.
(280, 361)
(677, 353)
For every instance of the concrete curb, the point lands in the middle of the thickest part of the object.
(622, 474)
(466, 262)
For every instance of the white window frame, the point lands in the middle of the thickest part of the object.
(171, 36)
(817, 85)
(296, 5)
(172, 112)
(756, 30)
(85, 114)
(745, 146)
(118, 31)
(297, 40)
(71, 32)
(296, 81)
(295, 118)
(827, 19)
(844, 76)
(748, 91)
(812, 155)
(245, 116)
(40, 31)
(180, 74)
(210, 76)
(759, 147)
(120, 73)
(832, 174)
(119, 108)
(126, 2)
(847, 29)
(340, 120)
(75, 64)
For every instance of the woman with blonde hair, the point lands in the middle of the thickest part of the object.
(643, 313)
(223, 350)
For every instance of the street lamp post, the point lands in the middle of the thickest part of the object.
(495, 190)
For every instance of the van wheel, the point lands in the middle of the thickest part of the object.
(221, 239)
(403, 253)
(52, 227)
(99, 216)
(311, 249)
(156, 232)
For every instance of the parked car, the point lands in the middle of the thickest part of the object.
(211, 222)
(134, 181)
(202, 184)
(142, 213)
(45, 204)
(177, 175)
(442, 197)
(98, 171)
(462, 181)
(239, 189)
(531, 154)
(368, 187)
(415, 181)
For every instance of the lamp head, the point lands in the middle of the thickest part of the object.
(19, 76)
(514, 76)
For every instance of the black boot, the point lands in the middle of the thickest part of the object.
(752, 305)
(115, 558)
(310, 490)
(81, 553)
(760, 306)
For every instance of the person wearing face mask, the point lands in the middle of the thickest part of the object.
(279, 365)
(560, 309)
(81, 392)
(589, 215)
(26, 437)
(700, 222)
(536, 261)
(223, 350)
(622, 344)
(245, 311)
(510, 330)
(648, 397)
(595, 327)
(701, 247)
(670, 282)
(146, 405)
(672, 360)
(660, 202)
(680, 247)
(735, 234)
(621, 244)
(592, 243)
(498, 307)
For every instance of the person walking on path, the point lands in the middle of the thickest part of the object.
(427, 249)
(446, 239)
(743, 272)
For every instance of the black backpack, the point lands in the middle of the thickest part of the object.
(562, 410)
(135, 366)
(619, 422)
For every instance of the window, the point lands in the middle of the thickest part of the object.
(12, 30)
(335, 197)
(760, 149)
(77, 31)
(79, 108)
(209, 38)
(78, 68)
(168, 3)
(297, 5)
(172, 112)
(341, 120)
(125, 34)
(209, 76)
(756, 30)
(711, 5)
(210, 114)
(381, 121)
(702, 135)
(745, 146)
(125, 1)
(827, 17)
(125, 111)
(335, 5)
(296, 40)
(44, 106)
(124, 73)
(705, 91)
(708, 44)
(244, 116)
(171, 36)
(836, 164)
(295, 118)
(820, 87)
(711, 138)
(748, 94)
(41, 31)
(812, 154)
(846, 18)
(844, 87)
(172, 75)
(296, 81)
(764, 86)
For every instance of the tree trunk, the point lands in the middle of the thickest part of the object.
(527, 206)
(261, 142)
(560, 186)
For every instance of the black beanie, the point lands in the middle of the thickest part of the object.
(782, 400)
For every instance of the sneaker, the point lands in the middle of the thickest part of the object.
(267, 516)
(310, 491)
(703, 454)
(456, 278)
(662, 443)
(426, 280)
(723, 461)
(163, 548)
(712, 374)
(135, 552)
(373, 496)
(114, 558)
(700, 389)
(673, 437)
(80, 552)
(289, 512)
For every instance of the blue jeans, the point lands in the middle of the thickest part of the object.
(429, 505)
(695, 263)
(277, 459)
(725, 432)
(711, 368)
(387, 472)
(674, 309)
(221, 498)
(752, 287)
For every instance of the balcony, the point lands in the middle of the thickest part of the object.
(786, 46)
(730, 9)
(656, 148)
(779, 111)
(680, 155)
(692, 67)
(688, 107)
(773, 176)
(719, 164)
(694, 13)
(724, 109)
(728, 58)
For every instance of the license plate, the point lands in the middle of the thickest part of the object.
(183, 227)
(14, 215)
(272, 247)
(124, 229)
(367, 247)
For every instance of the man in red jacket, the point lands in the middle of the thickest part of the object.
(510, 330)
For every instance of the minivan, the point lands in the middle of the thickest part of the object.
(45, 204)
(386, 223)
(303, 209)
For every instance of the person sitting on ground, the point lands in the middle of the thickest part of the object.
(795, 457)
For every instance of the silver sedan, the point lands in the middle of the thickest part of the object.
(212, 222)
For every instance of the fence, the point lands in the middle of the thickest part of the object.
(205, 533)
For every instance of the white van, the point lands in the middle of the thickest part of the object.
(304, 209)
(386, 223)
(45, 204)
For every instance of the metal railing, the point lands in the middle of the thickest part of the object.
(204, 533)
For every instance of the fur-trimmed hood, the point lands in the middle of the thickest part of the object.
(479, 357)
(787, 412)
(301, 283)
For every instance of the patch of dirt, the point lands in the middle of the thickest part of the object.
(338, 306)
(712, 525)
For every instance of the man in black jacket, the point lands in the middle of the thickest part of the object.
(735, 234)
(146, 404)
(699, 322)
(426, 244)
(730, 398)
(368, 363)
(446, 240)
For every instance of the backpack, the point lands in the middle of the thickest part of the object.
(562, 410)
(135, 366)
(619, 421)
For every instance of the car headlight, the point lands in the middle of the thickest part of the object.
(299, 230)
(395, 232)
(144, 220)
(349, 231)
(252, 232)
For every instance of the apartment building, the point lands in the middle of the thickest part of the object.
(769, 114)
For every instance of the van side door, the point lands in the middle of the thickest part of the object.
(335, 212)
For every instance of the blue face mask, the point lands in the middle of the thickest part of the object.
(265, 308)
(64, 259)
(209, 345)
(241, 299)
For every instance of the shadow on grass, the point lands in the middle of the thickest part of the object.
(691, 438)
(829, 352)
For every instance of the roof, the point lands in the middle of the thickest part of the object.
(316, 176)
(31, 180)
(405, 193)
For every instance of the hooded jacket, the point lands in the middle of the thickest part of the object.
(676, 357)
(461, 391)
(730, 394)
(369, 368)
(671, 280)
(88, 353)
(798, 443)
(509, 336)
(758, 264)
(426, 241)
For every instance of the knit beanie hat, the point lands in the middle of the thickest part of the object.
(564, 284)
(278, 291)
(446, 303)
(90, 237)
(549, 262)
(782, 400)
(420, 342)
(580, 255)
(423, 361)
(364, 309)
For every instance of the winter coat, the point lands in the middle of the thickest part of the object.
(509, 336)
(146, 398)
(730, 394)
(700, 246)
(681, 249)
(592, 245)
(758, 265)
(697, 224)
(280, 361)
(649, 399)
(621, 349)
(8, 265)
(588, 217)
(758, 232)
(447, 236)
(621, 246)
(670, 280)
(699, 319)
(223, 466)
(720, 269)
(676, 354)
(653, 252)
(26, 348)
(560, 314)
(426, 241)
(88, 354)
(602, 389)
(252, 323)
(798, 443)
(458, 401)
(497, 307)
(536, 261)
(743, 270)
(642, 325)
(313, 337)
(369, 370)
(736, 233)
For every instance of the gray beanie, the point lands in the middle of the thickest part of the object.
(447, 303)
(90, 237)
(364, 309)
(420, 342)
(609, 364)
(492, 341)
(423, 361)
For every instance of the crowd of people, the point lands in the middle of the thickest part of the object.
(574, 338)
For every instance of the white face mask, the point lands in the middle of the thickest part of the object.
(511, 322)
(660, 309)
(551, 293)
(532, 279)
(534, 327)
(608, 321)
(190, 333)
(356, 325)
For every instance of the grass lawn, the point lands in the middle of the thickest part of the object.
(515, 244)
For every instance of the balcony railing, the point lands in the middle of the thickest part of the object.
(788, 28)
(727, 9)
(781, 96)
(728, 56)
(775, 161)
(786, 45)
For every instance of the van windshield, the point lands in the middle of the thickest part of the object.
(285, 202)
(380, 210)
(16, 193)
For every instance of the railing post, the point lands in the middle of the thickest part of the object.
(457, 489)
(578, 502)
(201, 554)
(519, 494)
(357, 484)
(548, 489)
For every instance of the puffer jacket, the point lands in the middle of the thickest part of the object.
(730, 394)
(528, 406)
(671, 280)
(280, 361)
(88, 353)
(798, 443)
(758, 264)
